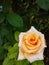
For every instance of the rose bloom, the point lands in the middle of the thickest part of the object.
(31, 45)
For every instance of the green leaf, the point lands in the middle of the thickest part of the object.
(8, 61)
(22, 62)
(1, 17)
(15, 20)
(43, 4)
(13, 51)
(16, 34)
(7, 45)
(39, 62)
(11, 56)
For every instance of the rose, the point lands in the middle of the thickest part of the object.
(31, 45)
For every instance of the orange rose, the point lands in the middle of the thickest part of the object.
(31, 45)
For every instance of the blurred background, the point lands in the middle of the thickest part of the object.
(17, 16)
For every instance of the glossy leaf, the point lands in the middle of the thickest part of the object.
(15, 20)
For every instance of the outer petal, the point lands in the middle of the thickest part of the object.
(33, 29)
(20, 39)
(35, 57)
(20, 56)
(43, 40)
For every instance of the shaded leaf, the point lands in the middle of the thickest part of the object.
(43, 4)
(2, 53)
(1, 17)
(10, 38)
(6, 6)
(1, 40)
(4, 31)
(22, 62)
(39, 62)
(7, 45)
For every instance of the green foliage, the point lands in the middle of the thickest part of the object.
(40, 62)
(7, 45)
(12, 55)
(2, 53)
(15, 20)
(10, 38)
(1, 40)
(8, 61)
(44, 4)
(4, 32)
(16, 36)
(1, 17)
(22, 62)
(13, 51)
(6, 6)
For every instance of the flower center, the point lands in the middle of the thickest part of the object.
(32, 39)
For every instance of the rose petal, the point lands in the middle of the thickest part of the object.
(43, 40)
(20, 39)
(32, 30)
(35, 57)
(20, 56)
